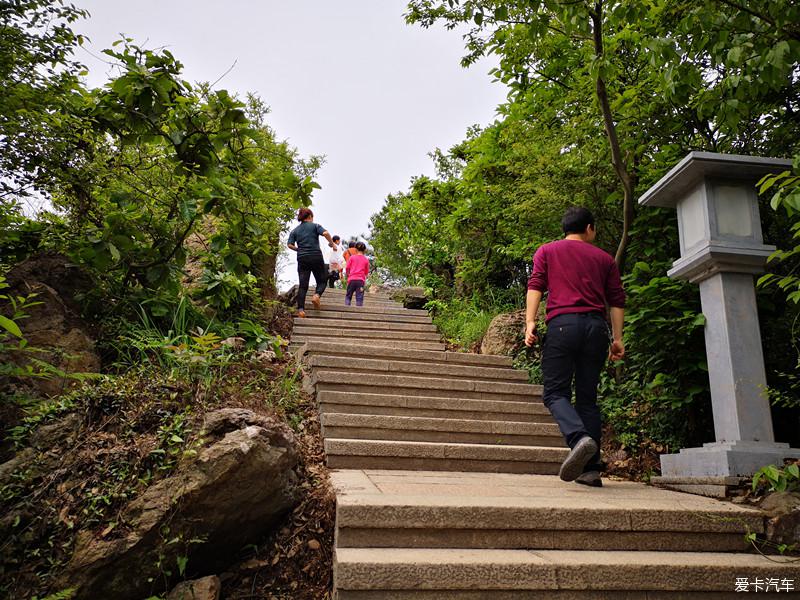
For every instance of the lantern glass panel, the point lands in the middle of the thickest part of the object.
(691, 213)
(733, 208)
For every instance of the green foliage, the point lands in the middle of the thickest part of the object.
(785, 276)
(776, 479)
(163, 161)
(67, 594)
(787, 196)
(462, 323)
(9, 324)
(603, 97)
(141, 169)
(39, 82)
(18, 360)
(226, 291)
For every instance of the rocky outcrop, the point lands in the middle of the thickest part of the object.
(54, 326)
(506, 334)
(410, 297)
(783, 525)
(232, 494)
(206, 588)
(289, 297)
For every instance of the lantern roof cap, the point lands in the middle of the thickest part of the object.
(696, 166)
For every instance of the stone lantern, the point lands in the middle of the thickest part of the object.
(721, 249)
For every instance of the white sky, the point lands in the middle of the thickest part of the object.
(348, 80)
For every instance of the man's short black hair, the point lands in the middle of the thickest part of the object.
(576, 219)
(351, 245)
(336, 238)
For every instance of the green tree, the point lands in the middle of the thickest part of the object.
(38, 83)
(161, 160)
(656, 77)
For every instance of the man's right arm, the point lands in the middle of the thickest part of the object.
(617, 350)
(615, 296)
(537, 284)
(532, 301)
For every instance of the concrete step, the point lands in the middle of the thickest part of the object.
(426, 406)
(369, 365)
(425, 573)
(367, 294)
(364, 324)
(332, 313)
(439, 456)
(409, 385)
(460, 358)
(314, 331)
(413, 509)
(333, 301)
(339, 296)
(427, 429)
(368, 309)
(298, 341)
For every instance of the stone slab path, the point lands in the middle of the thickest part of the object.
(443, 465)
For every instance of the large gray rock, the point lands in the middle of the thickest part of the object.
(505, 335)
(232, 494)
(54, 325)
(35, 459)
(411, 297)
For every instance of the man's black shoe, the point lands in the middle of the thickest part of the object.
(577, 458)
(590, 478)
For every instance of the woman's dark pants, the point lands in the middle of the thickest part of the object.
(575, 347)
(306, 265)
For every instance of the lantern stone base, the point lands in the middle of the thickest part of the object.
(714, 487)
(725, 459)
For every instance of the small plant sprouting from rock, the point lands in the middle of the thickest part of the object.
(776, 479)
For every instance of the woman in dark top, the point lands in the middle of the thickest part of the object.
(304, 239)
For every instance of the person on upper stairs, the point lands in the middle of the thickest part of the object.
(335, 261)
(304, 239)
(581, 281)
(357, 270)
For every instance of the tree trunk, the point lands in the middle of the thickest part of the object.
(265, 271)
(620, 166)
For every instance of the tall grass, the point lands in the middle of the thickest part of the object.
(461, 322)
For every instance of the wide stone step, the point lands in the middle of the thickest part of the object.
(413, 509)
(424, 386)
(427, 406)
(333, 302)
(406, 573)
(427, 429)
(311, 331)
(376, 365)
(298, 341)
(367, 309)
(439, 456)
(336, 296)
(461, 358)
(332, 313)
(357, 324)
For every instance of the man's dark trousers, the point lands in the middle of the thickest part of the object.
(575, 347)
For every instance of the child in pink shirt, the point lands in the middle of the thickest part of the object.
(357, 269)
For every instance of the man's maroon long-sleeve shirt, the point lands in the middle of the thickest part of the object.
(579, 277)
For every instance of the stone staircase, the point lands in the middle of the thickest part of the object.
(443, 466)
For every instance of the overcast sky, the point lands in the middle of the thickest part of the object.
(348, 80)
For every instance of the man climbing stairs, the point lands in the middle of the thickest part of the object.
(444, 465)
